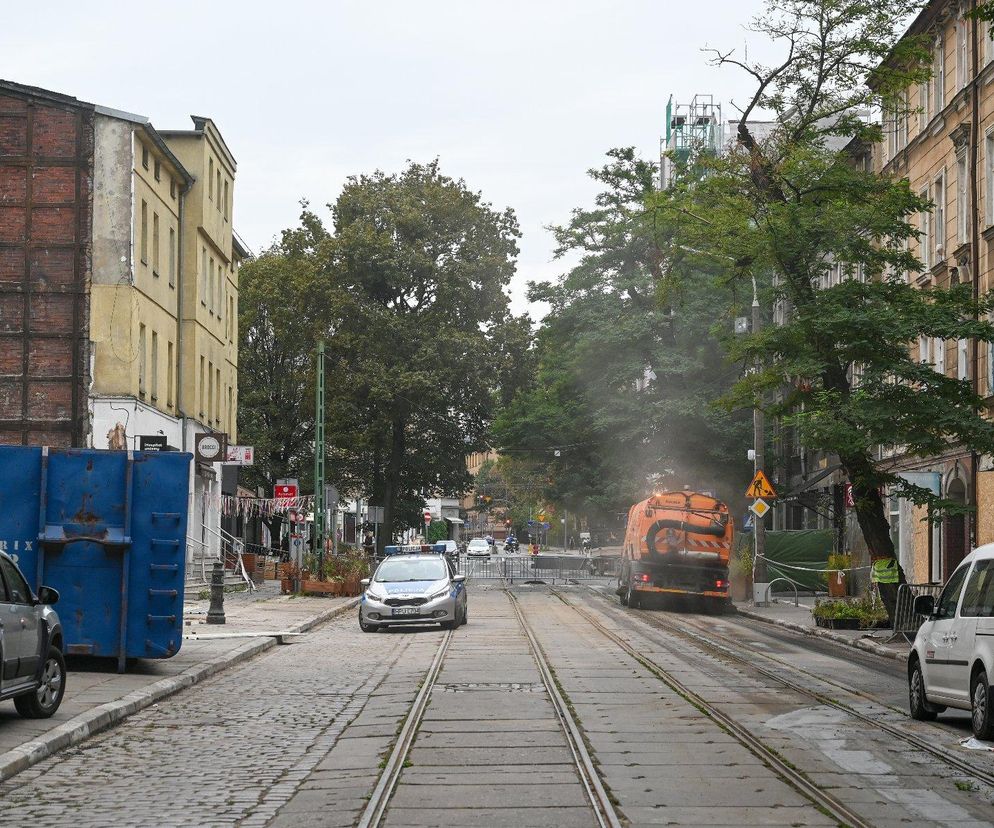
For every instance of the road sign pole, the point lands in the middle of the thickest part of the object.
(319, 515)
(759, 573)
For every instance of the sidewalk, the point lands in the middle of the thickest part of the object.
(98, 697)
(783, 613)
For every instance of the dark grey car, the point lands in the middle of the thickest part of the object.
(32, 669)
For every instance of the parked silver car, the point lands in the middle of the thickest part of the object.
(32, 669)
(412, 590)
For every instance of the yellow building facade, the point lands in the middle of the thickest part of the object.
(941, 140)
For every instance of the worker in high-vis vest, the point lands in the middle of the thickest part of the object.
(885, 571)
(886, 574)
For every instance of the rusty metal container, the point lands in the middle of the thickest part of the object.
(107, 529)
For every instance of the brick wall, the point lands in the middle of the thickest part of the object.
(46, 163)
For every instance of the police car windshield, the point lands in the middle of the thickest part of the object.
(424, 569)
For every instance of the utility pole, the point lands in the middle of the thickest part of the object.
(759, 574)
(319, 516)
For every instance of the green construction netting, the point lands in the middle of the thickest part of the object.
(803, 548)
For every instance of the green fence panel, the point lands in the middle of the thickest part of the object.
(799, 550)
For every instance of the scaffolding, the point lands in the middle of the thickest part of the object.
(691, 129)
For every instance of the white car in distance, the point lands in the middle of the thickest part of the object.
(478, 548)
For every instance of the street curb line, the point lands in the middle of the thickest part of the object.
(86, 724)
(828, 635)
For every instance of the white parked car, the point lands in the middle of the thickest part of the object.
(478, 548)
(952, 662)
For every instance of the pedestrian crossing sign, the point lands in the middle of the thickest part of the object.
(759, 508)
(761, 487)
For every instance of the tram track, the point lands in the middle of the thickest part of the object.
(785, 770)
(386, 785)
(727, 650)
(379, 800)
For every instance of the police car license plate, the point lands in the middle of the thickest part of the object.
(405, 611)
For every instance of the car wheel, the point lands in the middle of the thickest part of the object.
(917, 703)
(980, 703)
(366, 627)
(45, 700)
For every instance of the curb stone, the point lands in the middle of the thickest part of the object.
(828, 635)
(86, 724)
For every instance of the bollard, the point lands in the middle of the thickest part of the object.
(215, 615)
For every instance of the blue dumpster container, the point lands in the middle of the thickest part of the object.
(107, 529)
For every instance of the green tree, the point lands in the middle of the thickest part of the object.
(626, 377)
(417, 269)
(789, 207)
(283, 310)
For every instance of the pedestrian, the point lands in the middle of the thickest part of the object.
(368, 544)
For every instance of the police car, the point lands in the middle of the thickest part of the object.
(413, 588)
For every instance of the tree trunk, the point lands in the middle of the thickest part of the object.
(871, 514)
(394, 465)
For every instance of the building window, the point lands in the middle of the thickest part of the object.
(210, 178)
(144, 156)
(201, 397)
(144, 233)
(990, 361)
(225, 202)
(231, 319)
(939, 354)
(142, 360)
(231, 412)
(158, 170)
(217, 399)
(961, 359)
(938, 76)
(210, 390)
(169, 375)
(155, 366)
(989, 176)
(172, 187)
(939, 213)
(961, 53)
(219, 191)
(172, 257)
(924, 105)
(155, 244)
(923, 354)
(925, 234)
(902, 120)
(962, 202)
(203, 276)
(211, 286)
(985, 36)
(220, 290)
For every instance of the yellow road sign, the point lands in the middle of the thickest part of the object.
(759, 508)
(761, 486)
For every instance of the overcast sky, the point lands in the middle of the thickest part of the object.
(518, 98)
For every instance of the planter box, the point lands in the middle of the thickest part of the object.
(837, 623)
(838, 583)
(313, 587)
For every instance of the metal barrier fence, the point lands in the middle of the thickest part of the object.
(549, 569)
(906, 621)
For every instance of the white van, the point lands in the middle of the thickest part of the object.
(952, 662)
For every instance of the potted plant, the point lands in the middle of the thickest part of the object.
(850, 613)
(838, 574)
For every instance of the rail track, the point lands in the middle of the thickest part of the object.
(817, 795)
(600, 801)
(731, 651)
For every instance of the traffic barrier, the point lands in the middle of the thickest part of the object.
(906, 621)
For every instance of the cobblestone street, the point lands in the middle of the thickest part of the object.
(300, 735)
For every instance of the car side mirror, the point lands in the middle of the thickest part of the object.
(365, 582)
(458, 579)
(47, 595)
(924, 605)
